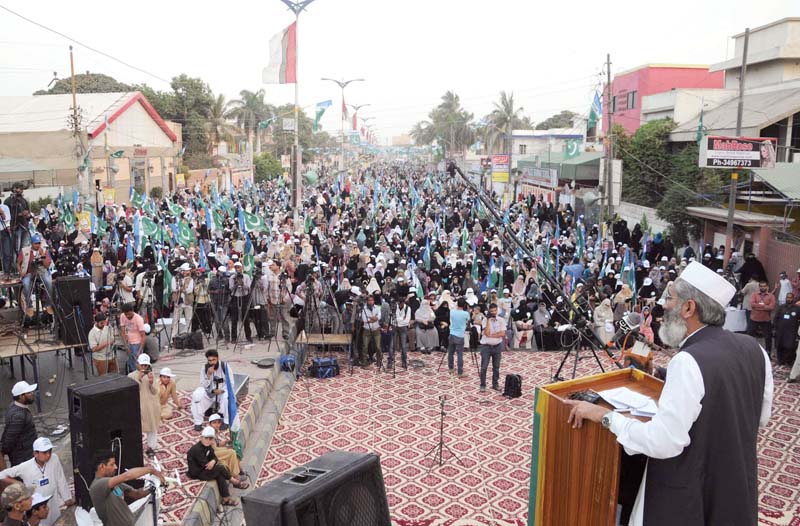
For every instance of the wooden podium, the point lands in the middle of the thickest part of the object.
(575, 472)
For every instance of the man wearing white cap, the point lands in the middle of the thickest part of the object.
(148, 401)
(167, 390)
(19, 431)
(183, 296)
(701, 445)
(43, 472)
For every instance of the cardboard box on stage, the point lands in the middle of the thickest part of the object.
(575, 473)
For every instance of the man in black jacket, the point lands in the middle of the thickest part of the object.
(203, 465)
(19, 431)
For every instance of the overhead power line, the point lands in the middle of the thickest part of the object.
(90, 48)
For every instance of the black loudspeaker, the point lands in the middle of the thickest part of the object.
(75, 306)
(339, 488)
(104, 413)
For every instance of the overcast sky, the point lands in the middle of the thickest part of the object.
(550, 54)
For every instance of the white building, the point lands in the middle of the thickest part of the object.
(142, 147)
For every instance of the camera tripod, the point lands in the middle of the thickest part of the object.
(241, 317)
(438, 449)
(573, 346)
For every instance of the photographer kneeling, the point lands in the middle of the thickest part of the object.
(32, 261)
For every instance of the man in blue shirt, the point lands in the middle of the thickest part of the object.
(455, 344)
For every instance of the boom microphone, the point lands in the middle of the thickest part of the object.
(628, 324)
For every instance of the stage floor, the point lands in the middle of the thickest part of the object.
(399, 420)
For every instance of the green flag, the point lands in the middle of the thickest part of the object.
(137, 199)
(572, 149)
(254, 222)
(102, 227)
(321, 107)
(117, 154)
(474, 267)
(149, 227)
(309, 225)
(700, 128)
(186, 235)
(174, 208)
(69, 218)
(218, 218)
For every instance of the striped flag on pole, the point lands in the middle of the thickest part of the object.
(282, 68)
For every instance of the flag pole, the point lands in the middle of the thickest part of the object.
(298, 190)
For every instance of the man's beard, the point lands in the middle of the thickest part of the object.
(673, 330)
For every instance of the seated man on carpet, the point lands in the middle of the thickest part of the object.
(204, 465)
(168, 390)
(224, 450)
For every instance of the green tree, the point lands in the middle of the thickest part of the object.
(156, 192)
(267, 167)
(162, 101)
(564, 119)
(219, 125)
(448, 124)
(646, 162)
(193, 102)
(503, 119)
(248, 110)
(687, 185)
(87, 83)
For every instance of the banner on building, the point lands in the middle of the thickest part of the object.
(500, 168)
(738, 152)
(286, 161)
(180, 180)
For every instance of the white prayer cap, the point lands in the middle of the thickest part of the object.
(208, 432)
(648, 282)
(143, 359)
(708, 282)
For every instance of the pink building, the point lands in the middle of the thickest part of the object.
(628, 88)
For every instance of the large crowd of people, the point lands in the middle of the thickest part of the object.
(406, 258)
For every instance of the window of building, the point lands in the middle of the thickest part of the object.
(138, 172)
(631, 100)
(614, 104)
(523, 149)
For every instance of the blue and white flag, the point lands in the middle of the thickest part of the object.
(233, 411)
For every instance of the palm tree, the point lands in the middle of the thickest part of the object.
(219, 125)
(248, 110)
(504, 117)
(422, 133)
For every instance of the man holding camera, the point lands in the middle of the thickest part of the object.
(6, 244)
(148, 401)
(371, 322)
(32, 261)
(20, 216)
(240, 284)
(183, 298)
(280, 301)
(211, 392)
(101, 344)
(125, 285)
(145, 282)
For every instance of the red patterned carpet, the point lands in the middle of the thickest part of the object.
(491, 435)
(175, 437)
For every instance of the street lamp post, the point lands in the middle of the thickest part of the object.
(342, 85)
(297, 190)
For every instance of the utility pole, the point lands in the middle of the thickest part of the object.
(342, 85)
(83, 171)
(735, 175)
(297, 187)
(356, 108)
(609, 142)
